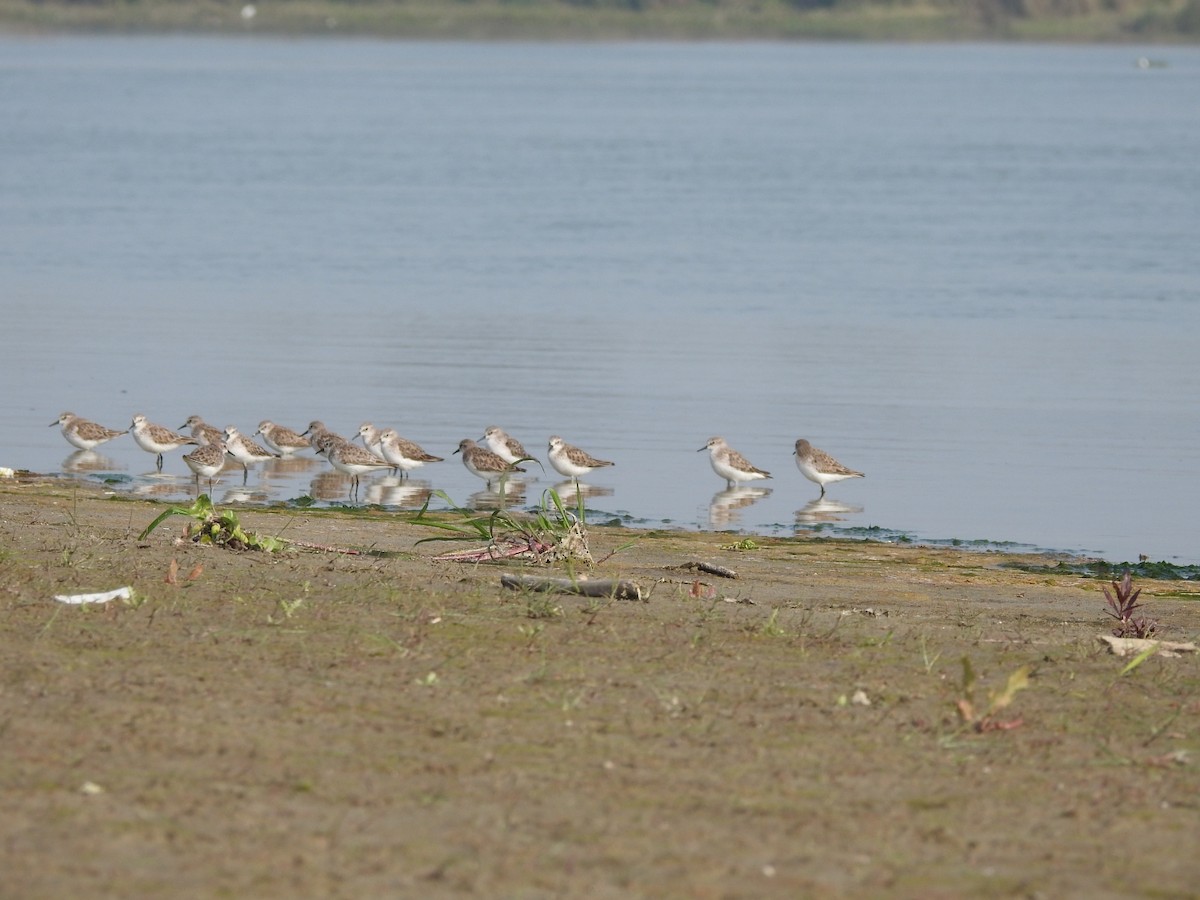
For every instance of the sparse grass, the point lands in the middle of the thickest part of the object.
(982, 719)
(551, 533)
(771, 627)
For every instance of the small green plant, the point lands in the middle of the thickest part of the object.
(287, 609)
(542, 606)
(1121, 604)
(981, 720)
(930, 660)
(218, 529)
(745, 544)
(771, 627)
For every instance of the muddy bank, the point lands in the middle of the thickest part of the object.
(326, 724)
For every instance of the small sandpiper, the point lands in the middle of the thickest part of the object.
(730, 464)
(282, 440)
(206, 460)
(403, 454)
(370, 437)
(321, 438)
(202, 431)
(245, 450)
(482, 462)
(83, 434)
(570, 461)
(504, 445)
(352, 460)
(156, 439)
(817, 465)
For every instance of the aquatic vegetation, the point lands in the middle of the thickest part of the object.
(1122, 601)
(1099, 568)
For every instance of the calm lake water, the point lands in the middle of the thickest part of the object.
(970, 271)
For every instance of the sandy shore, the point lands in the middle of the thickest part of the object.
(322, 723)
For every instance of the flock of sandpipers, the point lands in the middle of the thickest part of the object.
(500, 457)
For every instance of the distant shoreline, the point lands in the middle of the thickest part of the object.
(543, 20)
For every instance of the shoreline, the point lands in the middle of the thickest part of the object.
(1033, 559)
(546, 21)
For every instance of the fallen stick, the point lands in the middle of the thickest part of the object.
(601, 587)
(710, 568)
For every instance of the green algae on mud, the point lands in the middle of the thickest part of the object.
(323, 724)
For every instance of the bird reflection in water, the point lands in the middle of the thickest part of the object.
(403, 493)
(258, 496)
(160, 486)
(824, 511)
(329, 487)
(726, 506)
(288, 466)
(84, 461)
(502, 493)
(570, 492)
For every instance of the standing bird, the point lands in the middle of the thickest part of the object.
(571, 462)
(245, 450)
(320, 437)
(730, 464)
(482, 462)
(403, 454)
(351, 460)
(282, 440)
(206, 460)
(817, 465)
(504, 445)
(156, 439)
(84, 434)
(202, 431)
(370, 436)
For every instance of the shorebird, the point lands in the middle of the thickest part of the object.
(282, 440)
(483, 462)
(817, 465)
(730, 464)
(245, 450)
(206, 460)
(156, 439)
(570, 461)
(504, 445)
(202, 431)
(403, 454)
(83, 434)
(370, 437)
(320, 438)
(353, 461)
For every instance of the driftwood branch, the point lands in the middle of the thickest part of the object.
(599, 587)
(710, 568)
